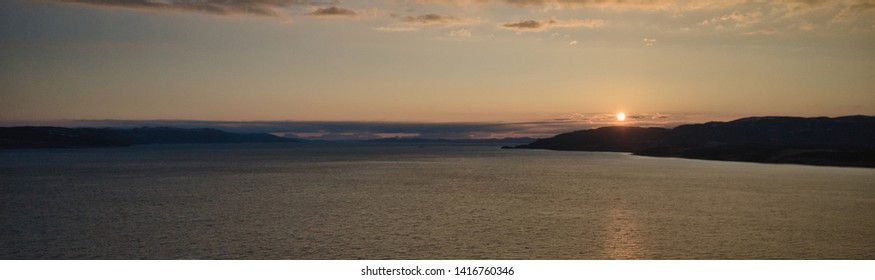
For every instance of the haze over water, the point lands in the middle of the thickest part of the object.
(304, 201)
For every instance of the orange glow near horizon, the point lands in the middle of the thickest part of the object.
(731, 60)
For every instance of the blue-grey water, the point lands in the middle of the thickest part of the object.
(321, 201)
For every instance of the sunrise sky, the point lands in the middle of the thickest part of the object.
(497, 62)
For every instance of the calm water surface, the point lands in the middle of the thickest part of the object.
(306, 201)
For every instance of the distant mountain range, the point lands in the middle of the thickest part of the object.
(60, 137)
(841, 141)
(452, 141)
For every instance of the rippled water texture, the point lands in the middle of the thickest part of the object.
(307, 201)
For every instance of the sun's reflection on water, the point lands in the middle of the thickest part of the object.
(622, 236)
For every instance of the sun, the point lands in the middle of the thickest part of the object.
(621, 116)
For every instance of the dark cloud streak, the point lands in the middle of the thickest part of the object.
(436, 19)
(533, 25)
(428, 19)
(269, 8)
(524, 24)
(333, 11)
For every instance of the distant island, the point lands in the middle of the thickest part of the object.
(60, 137)
(840, 141)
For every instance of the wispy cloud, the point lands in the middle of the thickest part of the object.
(542, 25)
(436, 19)
(779, 15)
(415, 22)
(396, 28)
(671, 5)
(460, 33)
(853, 10)
(524, 25)
(783, 16)
(333, 11)
(741, 18)
(271, 8)
(764, 31)
(594, 3)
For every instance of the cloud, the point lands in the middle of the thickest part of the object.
(763, 32)
(588, 23)
(650, 116)
(617, 4)
(524, 24)
(740, 19)
(460, 33)
(435, 19)
(844, 11)
(396, 28)
(538, 3)
(334, 11)
(272, 8)
(782, 15)
(794, 8)
(785, 16)
(413, 23)
(538, 26)
(852, 10)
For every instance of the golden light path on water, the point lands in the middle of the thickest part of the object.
(622, 240)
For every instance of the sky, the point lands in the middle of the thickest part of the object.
(498, 68)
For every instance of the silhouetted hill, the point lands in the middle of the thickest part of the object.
(605, 139)
(841, 141)
(840, 132)
(60, 137)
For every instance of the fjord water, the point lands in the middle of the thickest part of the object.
(324, 201)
